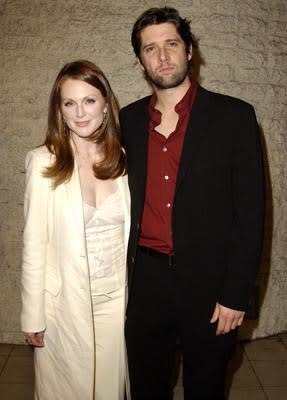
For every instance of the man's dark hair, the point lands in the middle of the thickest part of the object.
(155, 16)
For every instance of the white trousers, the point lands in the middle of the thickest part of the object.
(108, 312)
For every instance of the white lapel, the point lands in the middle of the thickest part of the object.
(122, 182)
(75, 202)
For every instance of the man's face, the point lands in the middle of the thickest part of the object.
(163, 56)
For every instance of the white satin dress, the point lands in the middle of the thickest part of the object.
(104, 227)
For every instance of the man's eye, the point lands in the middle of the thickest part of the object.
(149, 49)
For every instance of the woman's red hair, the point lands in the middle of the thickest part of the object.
(107, 135)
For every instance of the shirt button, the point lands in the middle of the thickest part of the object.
(164, 149)
(166, 177)
(168, 205)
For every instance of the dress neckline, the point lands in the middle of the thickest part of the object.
(103, 202)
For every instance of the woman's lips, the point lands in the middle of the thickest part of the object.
(82, 123)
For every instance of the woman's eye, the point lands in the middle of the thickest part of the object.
(91, 101)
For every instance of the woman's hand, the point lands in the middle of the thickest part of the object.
(34, 338)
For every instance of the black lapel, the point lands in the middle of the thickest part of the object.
(138, 166)
(142, 128)
(196, 130)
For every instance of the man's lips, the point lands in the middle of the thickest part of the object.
(166, 70)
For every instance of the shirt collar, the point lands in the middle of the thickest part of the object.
(181, 107)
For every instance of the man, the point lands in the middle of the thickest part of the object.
(197, 207)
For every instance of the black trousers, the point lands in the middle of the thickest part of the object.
(158, 313)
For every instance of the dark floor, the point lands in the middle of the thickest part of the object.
(258, 371)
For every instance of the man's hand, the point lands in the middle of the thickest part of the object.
(35, 338)
(227, 318)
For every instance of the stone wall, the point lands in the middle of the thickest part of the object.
(243, 51)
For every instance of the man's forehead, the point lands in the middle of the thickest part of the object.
(159, 32)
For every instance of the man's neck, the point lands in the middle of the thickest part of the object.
(167, 99)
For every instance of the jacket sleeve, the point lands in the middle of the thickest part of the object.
(123, 130)
(35, 240)
(248, 213)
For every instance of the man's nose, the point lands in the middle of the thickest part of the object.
(163, 55)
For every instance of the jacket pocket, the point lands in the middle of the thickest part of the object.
(53, 284)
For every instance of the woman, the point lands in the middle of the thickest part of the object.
(75, 240)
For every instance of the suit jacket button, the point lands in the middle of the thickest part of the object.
(133, 260)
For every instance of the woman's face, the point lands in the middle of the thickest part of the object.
(83, 107)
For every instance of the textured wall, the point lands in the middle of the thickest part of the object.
(243, 47)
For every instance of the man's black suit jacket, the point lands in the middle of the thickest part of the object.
(218, 211)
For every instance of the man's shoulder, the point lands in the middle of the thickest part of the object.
(136, 106)
(224, 101)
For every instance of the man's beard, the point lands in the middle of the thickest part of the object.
(161, 82)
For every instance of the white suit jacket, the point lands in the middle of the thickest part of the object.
(55, 275)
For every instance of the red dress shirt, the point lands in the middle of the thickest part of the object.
(163, 161)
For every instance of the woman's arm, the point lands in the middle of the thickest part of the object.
(35, 239)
